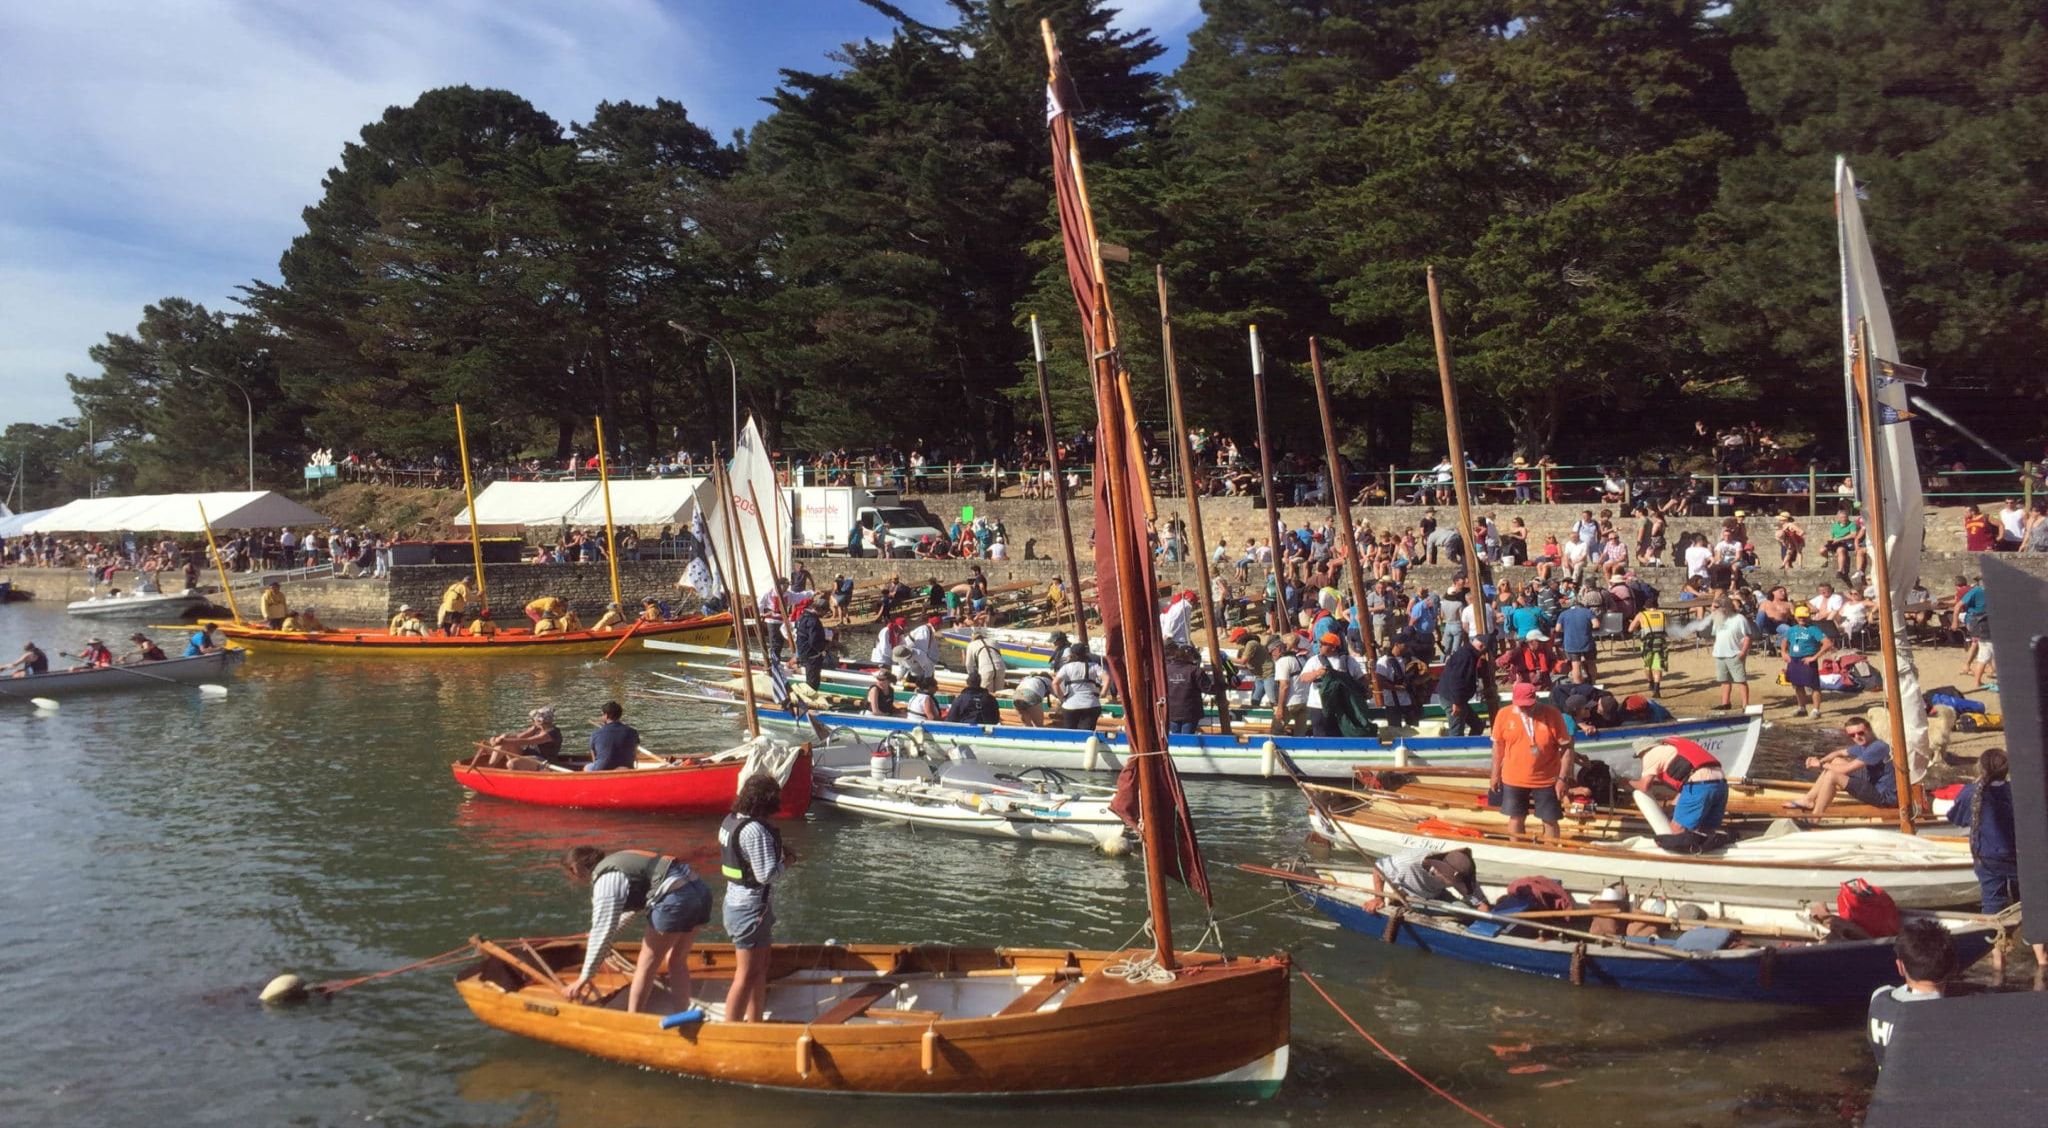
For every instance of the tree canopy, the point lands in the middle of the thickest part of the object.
(1627, 204)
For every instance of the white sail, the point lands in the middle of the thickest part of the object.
(753, 483)
(1897, 475)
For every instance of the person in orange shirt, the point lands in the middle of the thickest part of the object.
(1532, 761)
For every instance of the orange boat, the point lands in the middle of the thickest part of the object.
(918, 1020)
(690, 786)
(371, 641)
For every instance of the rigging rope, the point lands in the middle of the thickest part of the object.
(1389, 1055)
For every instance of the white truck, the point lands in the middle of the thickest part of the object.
(820, 517)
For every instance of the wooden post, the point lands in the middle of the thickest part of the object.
(1873, 505)
(1393, 485)
(1059, 487)
(1543, 480)
(1266, 485)
(1454, 436)
(1355, 562)
(1812, 489)
(2027, 485)
(739, 617)
(611, 540)
(1714, 486)
(476, 544)
(1185, 451)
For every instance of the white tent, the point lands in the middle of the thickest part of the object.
(657, 501)
(175, 513)
(519, 504)
(16, 524)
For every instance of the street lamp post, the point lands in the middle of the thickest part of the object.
(248, 403)
(730, 363)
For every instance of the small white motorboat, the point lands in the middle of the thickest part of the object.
(916, 782)
(138, 604)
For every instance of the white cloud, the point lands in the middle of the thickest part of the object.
(156, 149)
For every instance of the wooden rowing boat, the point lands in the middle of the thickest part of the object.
(925, 1020)
(684, 786)
(1780, 867)
(1773, 955)
(1460, 795)
(200, 669)
(379, 643)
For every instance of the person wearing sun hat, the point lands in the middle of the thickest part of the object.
(1426, 875)
(1532, 761)
(1804, 644)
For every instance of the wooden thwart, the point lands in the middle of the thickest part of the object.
(856, 1004)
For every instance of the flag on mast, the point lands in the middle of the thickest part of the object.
(1897, 474)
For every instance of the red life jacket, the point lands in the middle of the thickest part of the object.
(1691, 757)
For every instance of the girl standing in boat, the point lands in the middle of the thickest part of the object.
(751, 856)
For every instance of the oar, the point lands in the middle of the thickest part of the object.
(208, 689)
(622, 640)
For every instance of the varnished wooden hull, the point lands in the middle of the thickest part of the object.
(367, 643)
(1223, 1024)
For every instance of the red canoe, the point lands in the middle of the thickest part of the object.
(687, 787)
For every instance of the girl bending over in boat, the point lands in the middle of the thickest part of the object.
(677, 903)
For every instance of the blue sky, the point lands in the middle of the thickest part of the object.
(166, 147)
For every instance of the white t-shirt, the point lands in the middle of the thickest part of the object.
(1825, 606)
(1390, 669)
(1175, 621)
(1697, 558)
(1728, 551)
(1575, 553)
(2014, 521)
(1082, 683)
(1343, 662)
(1853, 615)
(1287, 668)
(1728, 637)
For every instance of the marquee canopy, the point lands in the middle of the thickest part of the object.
(659, 501)
(176, 513)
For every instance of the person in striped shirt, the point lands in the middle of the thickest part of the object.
(677, 903)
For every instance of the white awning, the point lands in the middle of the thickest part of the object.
(16, 524)
(658, 501)
(176, 513)
(526, 503)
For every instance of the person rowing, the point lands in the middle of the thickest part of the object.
(94, 656)
(538, 744)
(146, 650)
(201, 642)
(32, 661)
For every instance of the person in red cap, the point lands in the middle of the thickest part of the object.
(927, 639)
(1330, 657)
(1176, 621)
(1532, 761)
(892, 635)
(1692, 771)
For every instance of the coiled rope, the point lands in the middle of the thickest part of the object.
(1389, 1055)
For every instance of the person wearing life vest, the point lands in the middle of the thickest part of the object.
(546, 607)
(1648, 627)
(94, 655)
(1689, 769)
(751, 857)
(677, 904)
(454, 602)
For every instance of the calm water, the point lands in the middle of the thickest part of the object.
(167, 855)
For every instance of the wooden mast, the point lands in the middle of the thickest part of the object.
(1873, 503)
(1341, 495)
(604, 484)
(1266, 485)
(476, 544)
(1059, 487)
(739, 618)
(1140, 705)
(1184, 449)
(227, 589)
(1454, 436)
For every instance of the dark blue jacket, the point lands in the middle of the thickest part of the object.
(1992, 844)
(613, 746)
